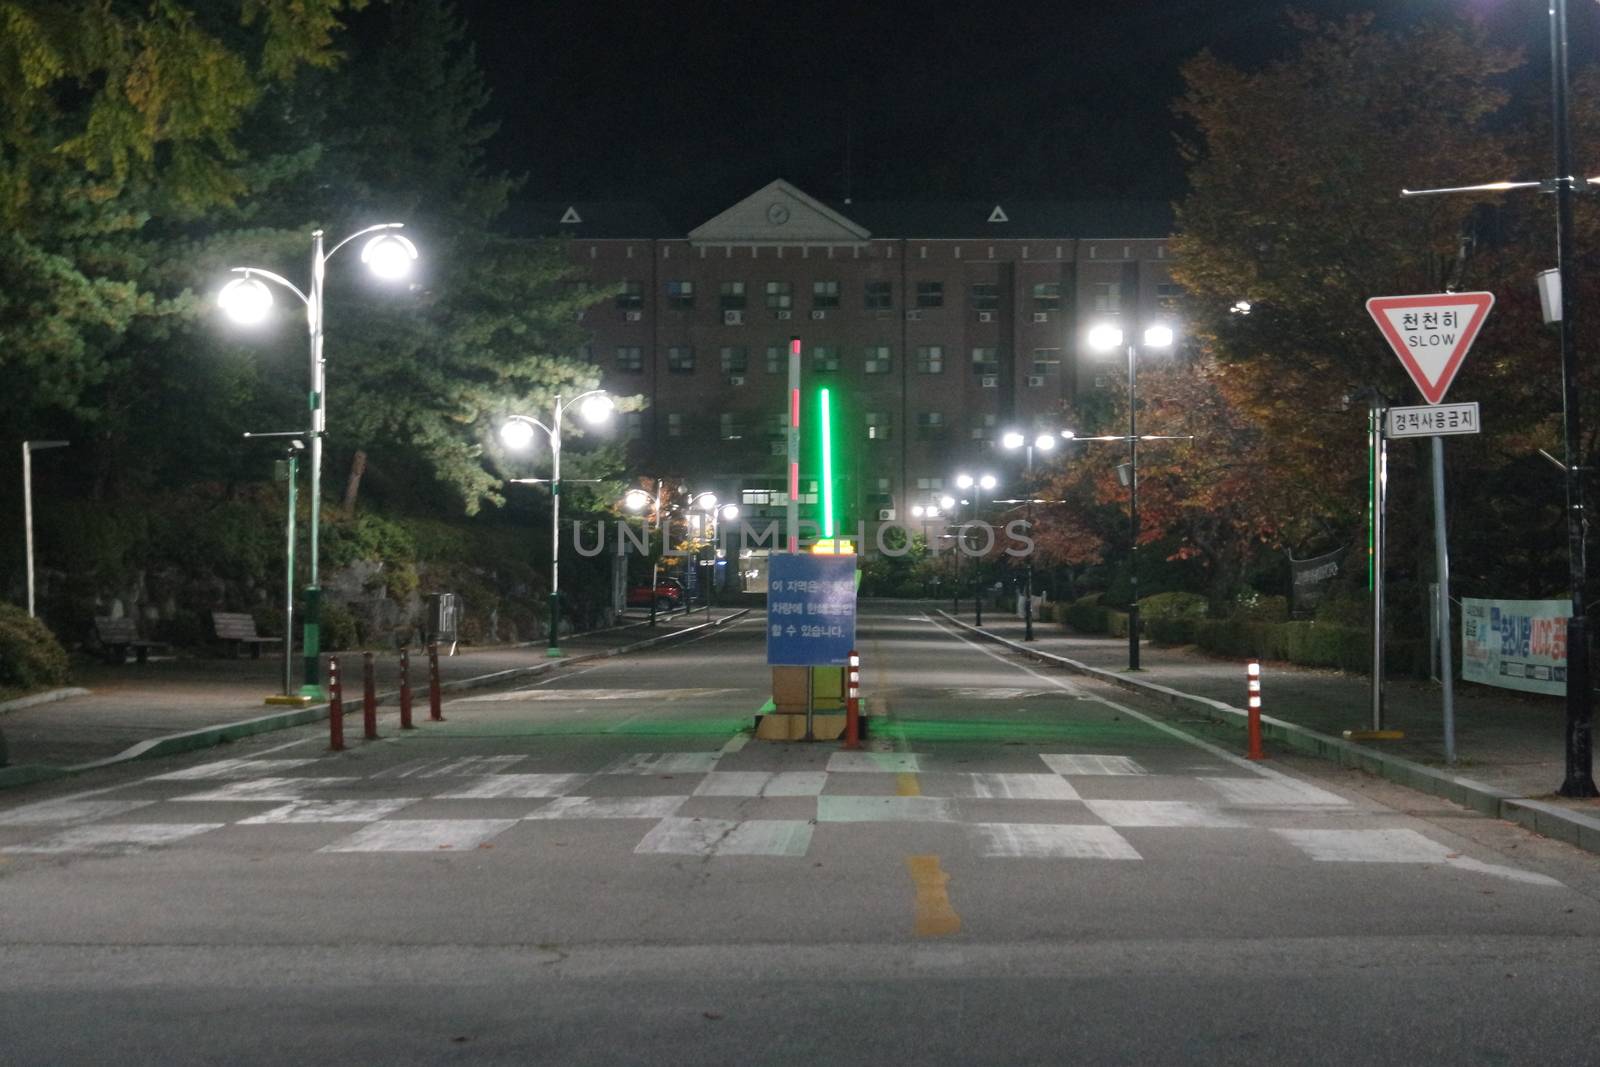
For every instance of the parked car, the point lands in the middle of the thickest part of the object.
(669, 594)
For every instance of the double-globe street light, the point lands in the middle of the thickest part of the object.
(1104, 338)
(1044, 442)
(517, 433)
(975, 483)
(247, 300)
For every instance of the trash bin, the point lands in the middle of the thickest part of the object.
(444, 619)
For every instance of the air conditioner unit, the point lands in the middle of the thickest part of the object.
(886, 514)
(990, 381)
(632, 316)
(733, 318)
(819, 314)
(985, 316)
(913, 316)
(1041, 316)
(736, 379)
(783, 316)
(1035, 380)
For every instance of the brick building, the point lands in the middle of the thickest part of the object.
(939, 326)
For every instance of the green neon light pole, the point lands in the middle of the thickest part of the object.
(827, 467)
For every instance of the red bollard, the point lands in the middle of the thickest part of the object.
(369, 697)
(434, 714)
(1253, 676)
(335, 706)
(405, 690)
(852, 702)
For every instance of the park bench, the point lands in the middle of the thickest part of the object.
(239, 628)
(116, 636)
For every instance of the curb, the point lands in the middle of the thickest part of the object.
(1575, 828)
(211, 736)
(49, 696)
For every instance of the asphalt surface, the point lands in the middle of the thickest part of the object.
(603, 867)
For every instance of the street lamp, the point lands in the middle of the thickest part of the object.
(517, 433)
(1106, 337)
(1044, 442)
(247, 300)
(28, 449)
(985, 482)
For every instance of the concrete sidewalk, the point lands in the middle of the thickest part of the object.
(1510, 746)
(169, 704)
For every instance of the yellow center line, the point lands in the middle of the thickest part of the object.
(935, 917)
(906, 785)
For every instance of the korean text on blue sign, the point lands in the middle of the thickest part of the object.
(811, 610)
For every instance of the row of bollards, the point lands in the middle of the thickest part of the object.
(369, 696)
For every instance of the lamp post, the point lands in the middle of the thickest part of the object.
(517, 433)
(985, 482)
(1044, 442)
(28, 449)
(1106, 337)
(638, 500)
(247, 300)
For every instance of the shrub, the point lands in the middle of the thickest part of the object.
(1262, 608)
(1166, 630)
(30, 656)
(339, 630)
(1173, 606)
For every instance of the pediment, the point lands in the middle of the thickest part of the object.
(778, 213)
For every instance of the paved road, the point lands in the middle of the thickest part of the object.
(603, 868)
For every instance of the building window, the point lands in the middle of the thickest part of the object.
(824, 358)
(759, 498)
(930, 359)
(1047, 296)
(729, 426)
(1046, 360)
(876, 359)
(983, 426)
(930, 425)
(680, 295)
(879, 296)
(632, 425)
(930, 485)
(680, 360)
(630, 358)
(985, 296)
(877, 425)
(631, 296)
(930, 294)
(777, 359)
(1107, 297)
(824, 294)
(985, 361)
(1167, 294)
(733, 296)
(884, 497)
(735, 360)
(674, 424)
(780, 296)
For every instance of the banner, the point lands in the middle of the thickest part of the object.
(1311, 580)
(1516, 644)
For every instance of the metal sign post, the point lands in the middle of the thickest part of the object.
(1441, 553)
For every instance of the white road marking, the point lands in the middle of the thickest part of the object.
(666, 763)
(442, 767)
(421, 835)
(1152, 813)
(1015, 787)
(116, 839)
(267, 789)
(761, 784)
(875, 762)
(518, 786)
(231, 768)
(596, 695)
(315, 811)
(1287, 793)
(1090, 764)
(608, 808)
(1049, 841)
(63, 812)
(723, 837)
(1397, 846)
(885, 809)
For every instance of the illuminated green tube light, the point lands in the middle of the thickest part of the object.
(827, 468)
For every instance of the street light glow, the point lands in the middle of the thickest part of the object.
(1045, 442)
(516, 434)
(946, 503)
(389, 256)
(597, 408)
(988, 481)
(730, 512)
(963, 481)
(706, 501)
(246, 300)
(1012, 440)
(635, 499)
(1104, 337)
(1158, 337)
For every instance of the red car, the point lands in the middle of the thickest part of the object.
(668, 595)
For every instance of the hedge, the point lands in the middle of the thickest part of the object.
(30, 656)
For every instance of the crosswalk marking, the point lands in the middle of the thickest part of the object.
(1015, 787)
(266, 789)
(1285, 792)
(1397, 846)
(517, 786)
(1063, 763)
(874, 763)
(885, 809)
(421, 835)
(725, 837)
(761, 784)
(318, 811)
(62, 812)
(1051, 841)
(232, 768)
(115, 838)
(666, 763)
(608, 808)
(1151, 813)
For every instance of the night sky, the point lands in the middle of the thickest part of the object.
(692, 105)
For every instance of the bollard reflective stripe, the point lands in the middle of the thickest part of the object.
(1253, 688)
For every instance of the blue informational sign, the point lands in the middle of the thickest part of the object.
(811, 610)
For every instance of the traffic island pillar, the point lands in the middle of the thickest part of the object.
(335, 706)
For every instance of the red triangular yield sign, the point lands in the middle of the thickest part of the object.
(1431, 334)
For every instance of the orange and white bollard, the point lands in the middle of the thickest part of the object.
(434, 712)
(335, 706)
(1253, 678)
(369, 697)
(405, 690)
(852, 702)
